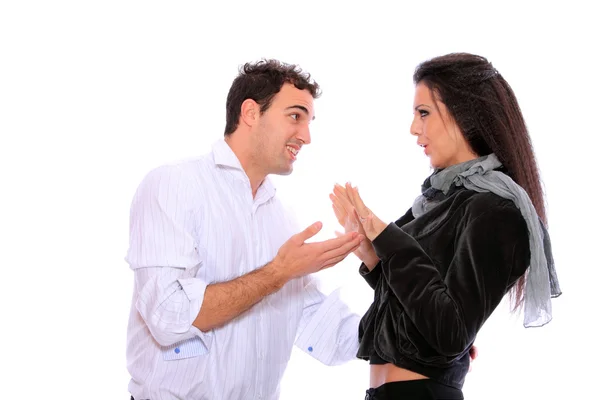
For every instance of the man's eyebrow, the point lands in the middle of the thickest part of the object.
(301, 108)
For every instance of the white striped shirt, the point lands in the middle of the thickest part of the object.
(195, 223)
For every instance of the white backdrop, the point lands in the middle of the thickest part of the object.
(95, 94)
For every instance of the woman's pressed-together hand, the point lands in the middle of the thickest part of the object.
(354, 216)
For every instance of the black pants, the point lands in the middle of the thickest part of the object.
(420, 389)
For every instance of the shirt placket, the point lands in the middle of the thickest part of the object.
(260, 345)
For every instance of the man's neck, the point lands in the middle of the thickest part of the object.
(252, 170)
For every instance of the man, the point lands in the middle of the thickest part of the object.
(222, 280)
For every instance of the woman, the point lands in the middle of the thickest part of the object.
(472, 236)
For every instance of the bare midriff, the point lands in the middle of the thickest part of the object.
(384, 373)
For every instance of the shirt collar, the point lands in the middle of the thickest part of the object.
(225, 157)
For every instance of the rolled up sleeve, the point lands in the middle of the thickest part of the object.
(166, 257)
(169, 304)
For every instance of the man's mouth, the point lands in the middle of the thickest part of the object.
(293, 151)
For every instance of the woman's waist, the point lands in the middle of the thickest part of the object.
(384, 373)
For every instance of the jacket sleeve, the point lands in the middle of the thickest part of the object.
(373, 276)
(449, 312)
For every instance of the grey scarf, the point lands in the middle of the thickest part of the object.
(541, 283)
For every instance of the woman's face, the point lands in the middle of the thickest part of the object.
(436, 131)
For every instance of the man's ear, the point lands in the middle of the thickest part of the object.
(250, 112)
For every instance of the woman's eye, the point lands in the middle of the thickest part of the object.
(423, 113)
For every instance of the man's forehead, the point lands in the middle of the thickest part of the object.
(292, 97)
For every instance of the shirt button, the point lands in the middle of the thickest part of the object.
(177, 350)
(310, 348)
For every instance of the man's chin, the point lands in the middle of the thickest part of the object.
(284, 171)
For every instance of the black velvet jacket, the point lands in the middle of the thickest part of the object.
(440, 277)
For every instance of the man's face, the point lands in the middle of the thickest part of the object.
(283, 129)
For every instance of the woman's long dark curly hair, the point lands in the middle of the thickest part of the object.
(485, 108)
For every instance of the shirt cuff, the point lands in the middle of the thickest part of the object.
(331, 335)
(195, 289)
